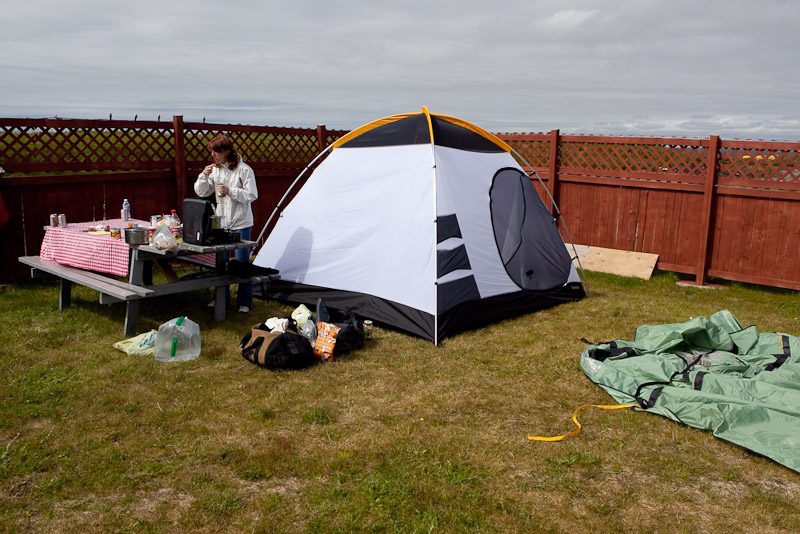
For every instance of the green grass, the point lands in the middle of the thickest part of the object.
(400, 436)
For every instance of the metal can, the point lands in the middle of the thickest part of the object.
(54, 219)
(62, 220)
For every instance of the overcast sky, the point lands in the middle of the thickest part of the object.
(631, 67)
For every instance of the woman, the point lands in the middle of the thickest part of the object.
(234, 183)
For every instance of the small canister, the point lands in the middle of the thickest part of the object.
(367, 329)
(62, 220)
(154, 220)
(54, 219)
(151, 234)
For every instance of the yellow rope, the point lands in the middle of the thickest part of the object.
(575, 419)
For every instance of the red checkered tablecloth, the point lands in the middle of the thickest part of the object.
(72, 245)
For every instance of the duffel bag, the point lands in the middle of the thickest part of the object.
(284, 350)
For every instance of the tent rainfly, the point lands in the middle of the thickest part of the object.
(421, 222)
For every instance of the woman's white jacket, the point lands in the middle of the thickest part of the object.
(235, 206)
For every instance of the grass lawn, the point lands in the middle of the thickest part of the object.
(400, 437)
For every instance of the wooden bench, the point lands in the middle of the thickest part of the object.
(111, 290)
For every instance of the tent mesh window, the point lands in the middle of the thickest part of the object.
(526, 234)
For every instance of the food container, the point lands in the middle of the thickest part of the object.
(367, 329)
(115, 233)
(136, 236)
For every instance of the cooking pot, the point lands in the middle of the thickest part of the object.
(217, 222)
(136, 236)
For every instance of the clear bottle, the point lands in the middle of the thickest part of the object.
(176, 221)
(125, 213)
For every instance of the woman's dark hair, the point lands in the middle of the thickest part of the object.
(221, 143)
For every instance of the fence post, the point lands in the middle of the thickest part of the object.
(180, 162)
(555, 140)
(709, 202)
(322, 137)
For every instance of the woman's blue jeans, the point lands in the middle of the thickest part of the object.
(244, 296)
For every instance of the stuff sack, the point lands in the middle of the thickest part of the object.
(279, 350)
(351, 335)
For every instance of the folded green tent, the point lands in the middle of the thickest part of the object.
(712, 374)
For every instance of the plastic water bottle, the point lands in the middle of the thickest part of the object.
(177, 340)
(125, 213)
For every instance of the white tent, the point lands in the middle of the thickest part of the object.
(422, 222)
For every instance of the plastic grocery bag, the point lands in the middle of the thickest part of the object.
(309, 331)
(141, 345)
(177, 340)
(163, 238)
(301, 314)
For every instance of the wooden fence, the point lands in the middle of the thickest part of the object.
(707, 207)
(711, 207)
(85, 168)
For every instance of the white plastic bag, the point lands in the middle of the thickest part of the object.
(163, 238)
(177, 340)
(309, 331)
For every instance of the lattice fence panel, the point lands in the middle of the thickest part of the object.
(107, 148)
(279, 148)
(536, 153)
(20, 144)
(759, 167)
(675, 160)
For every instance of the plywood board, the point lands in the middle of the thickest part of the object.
(621, 262)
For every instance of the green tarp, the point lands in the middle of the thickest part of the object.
(710, 373)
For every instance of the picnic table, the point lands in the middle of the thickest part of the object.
(74, 254)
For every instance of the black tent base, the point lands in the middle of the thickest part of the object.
(466, 316)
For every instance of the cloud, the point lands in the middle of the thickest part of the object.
(664, 67)
(567, 20)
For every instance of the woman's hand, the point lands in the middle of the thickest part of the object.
(222, 190)
(208, 169)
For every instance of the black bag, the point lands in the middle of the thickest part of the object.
(287, 350)
(247, 269)
(351, 333)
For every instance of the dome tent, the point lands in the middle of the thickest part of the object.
(422, 222)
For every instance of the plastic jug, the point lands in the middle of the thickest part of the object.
(178, 340)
